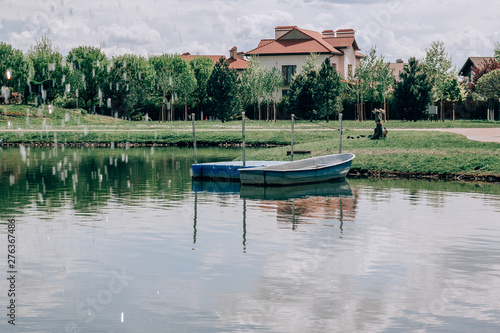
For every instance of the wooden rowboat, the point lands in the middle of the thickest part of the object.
(310, 170)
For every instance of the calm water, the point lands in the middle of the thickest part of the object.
(123, 241)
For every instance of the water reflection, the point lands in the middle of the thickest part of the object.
(122, 240)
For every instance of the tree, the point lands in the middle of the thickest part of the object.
(373, 79)
(222, 90)
(301, 99)
(130, 85)
(439, 67)
(452, 91)
(329, 89)
(488, 86)
(186, 86)
(14, 70)
(202, 68)
(46, 77)
(317, 90)
(89, 65)
(273, 80)
(252, 85)
(483, 68)
(258, 84)
(497, 51)
(302, 94)
(175, 80)
(413, 92)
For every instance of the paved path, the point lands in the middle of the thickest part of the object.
(476, 134)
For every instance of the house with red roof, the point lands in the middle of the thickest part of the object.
(291, 46)
(235, 60)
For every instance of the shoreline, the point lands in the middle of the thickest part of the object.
(353, 172)
(362, 173)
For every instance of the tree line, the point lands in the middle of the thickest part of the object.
(163, 87)
(167, 87)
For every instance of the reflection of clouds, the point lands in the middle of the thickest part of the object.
(411, 259)
(403, 270)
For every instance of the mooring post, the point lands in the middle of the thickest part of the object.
(243, 135)
(340, 133)
(291, 148)
(194, 140)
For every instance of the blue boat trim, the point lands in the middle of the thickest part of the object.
(226, 170)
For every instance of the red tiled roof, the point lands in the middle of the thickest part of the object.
(215, 58)
(312, 41)
(265, 42)
(239, 63)
(359, 55)
(342, 42)
(292, 47)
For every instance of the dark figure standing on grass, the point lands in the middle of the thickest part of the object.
(379, 131)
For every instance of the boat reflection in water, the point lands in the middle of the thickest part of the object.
(325, 189)
(293, 204)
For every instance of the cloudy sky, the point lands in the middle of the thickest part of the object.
(398, 28)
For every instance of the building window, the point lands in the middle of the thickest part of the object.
(284, 92)
(334, 66)
(288, 73)
(349, 70)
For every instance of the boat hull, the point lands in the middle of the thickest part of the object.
(228, 171)
(312, 170)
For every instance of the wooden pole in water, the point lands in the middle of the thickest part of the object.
(340, 133)
(194, 140)
(243, 135)
(291, 148)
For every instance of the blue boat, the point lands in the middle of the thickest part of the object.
(226, 170)
(310, 170)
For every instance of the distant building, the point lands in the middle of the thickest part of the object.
(291, 45)
(466, 71)
(235, 60)
(397, 67)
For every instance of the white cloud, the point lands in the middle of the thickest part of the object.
(400, 29)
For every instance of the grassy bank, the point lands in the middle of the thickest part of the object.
(403, 152)
(15, 117)
(407, 152)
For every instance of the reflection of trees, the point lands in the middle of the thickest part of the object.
(91, 177)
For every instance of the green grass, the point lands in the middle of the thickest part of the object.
(409, 152)
(401, 151)
(72, 119)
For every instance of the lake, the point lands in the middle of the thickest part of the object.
(121, 240)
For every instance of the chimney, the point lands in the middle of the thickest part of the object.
(399, 61)
(328, 33)
(280, 31)
(233, 53)
(345, 33)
